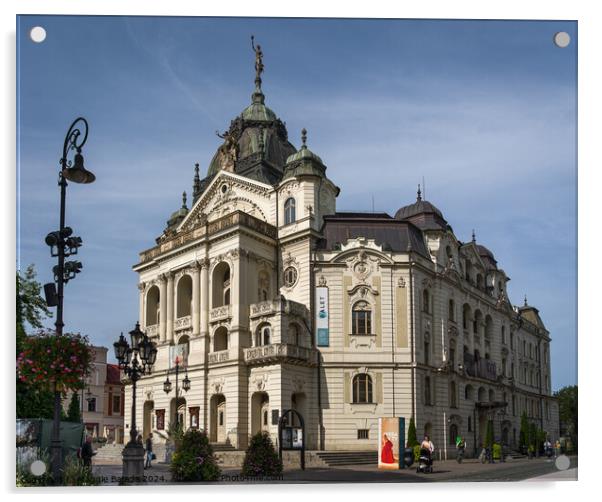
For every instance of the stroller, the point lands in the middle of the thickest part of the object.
(425, 461)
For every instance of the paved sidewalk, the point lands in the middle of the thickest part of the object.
(541, 469)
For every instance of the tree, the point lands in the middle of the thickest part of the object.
(73, 413)
(412, 440)
(567, 404)
(261, 458)
(33, 401)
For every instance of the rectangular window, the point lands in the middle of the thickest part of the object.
(92, 404)
(362, 433)
(116, 405)
(361, 322)
(469, 424)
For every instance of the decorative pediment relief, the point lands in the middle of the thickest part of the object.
(217, 385)
(298, 383)
(260, 381)
(226, 193)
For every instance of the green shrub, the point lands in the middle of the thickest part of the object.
(75, 473)
(497, 451)
(261, 458)
(412, 440)
(193, 459)
(416, 449)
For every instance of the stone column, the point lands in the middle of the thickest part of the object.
(196, 278)
(204, 317)
(162, 306)
(141, 316)
(170, 308)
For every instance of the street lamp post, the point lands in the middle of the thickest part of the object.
(135, 360)
(185, 386)
(63, 244)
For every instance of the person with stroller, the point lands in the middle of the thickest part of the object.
(426, 454)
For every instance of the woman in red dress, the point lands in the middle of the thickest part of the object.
(386, 456)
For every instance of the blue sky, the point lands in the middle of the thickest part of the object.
(485, 111)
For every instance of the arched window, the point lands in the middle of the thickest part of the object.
(362, 388)
(264, 335)
(426, 301)
(220, 285)
(361, 322)
(220, 339)
(451, 310)
(289, 211)
(465, 316)
(468, 392)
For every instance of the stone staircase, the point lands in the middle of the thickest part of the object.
(111, 453)
(217, 447)
(340, 458)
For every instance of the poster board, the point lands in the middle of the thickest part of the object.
(391, 442)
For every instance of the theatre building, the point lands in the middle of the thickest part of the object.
(271, 300)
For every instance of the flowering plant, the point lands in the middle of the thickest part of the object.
(48, 359)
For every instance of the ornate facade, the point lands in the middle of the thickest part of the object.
(274, 300)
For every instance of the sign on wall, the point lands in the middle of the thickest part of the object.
(322, 315)
(391, 439)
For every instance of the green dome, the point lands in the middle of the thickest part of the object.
(302, 154)
(257, 110)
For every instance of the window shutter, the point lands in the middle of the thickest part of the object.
(379, 388)
(347, 388)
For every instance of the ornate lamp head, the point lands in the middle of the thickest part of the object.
(121, 346)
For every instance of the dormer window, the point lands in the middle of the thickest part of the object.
(289, 211)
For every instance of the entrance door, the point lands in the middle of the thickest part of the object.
(221, 422)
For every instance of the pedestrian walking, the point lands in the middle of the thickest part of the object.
(149, 451)
(87, 452)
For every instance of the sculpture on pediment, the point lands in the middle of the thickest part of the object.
(228, 151)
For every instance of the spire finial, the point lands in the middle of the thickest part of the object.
(304, 137)
(526, 304)
(184, 200)
(418, 194)
(196, 184)
(258, 64)
(474, 237)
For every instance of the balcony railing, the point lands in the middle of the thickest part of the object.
(219, 357)
(220, 313)
(182, 323)
(271, 307)
(482, 368)
(280, 352)
(228, 221)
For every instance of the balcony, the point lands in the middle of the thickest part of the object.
(221, 356)
(483, 368)
(280, 352)
(220, 313)
(182, 323)
(237, 218)
(272, 307)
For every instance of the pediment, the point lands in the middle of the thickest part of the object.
(229, 192)
(470, 251)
